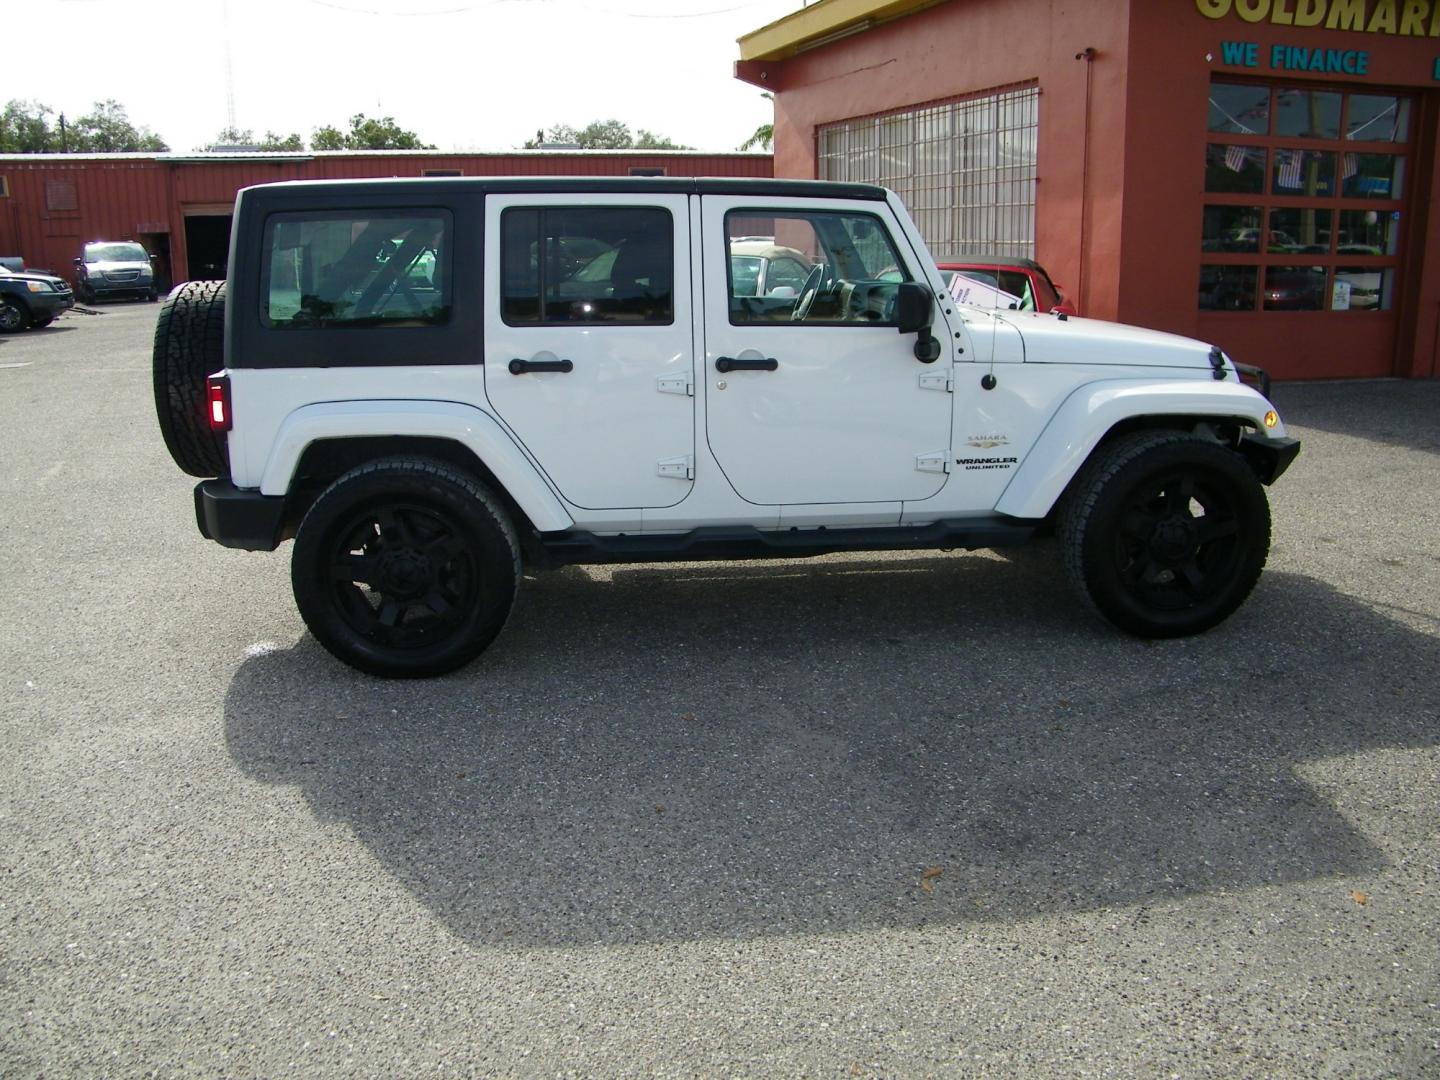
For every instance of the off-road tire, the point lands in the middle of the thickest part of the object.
(1136, 550)
(405, 567)
(189, 347)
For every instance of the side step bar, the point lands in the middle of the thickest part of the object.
(745, 542)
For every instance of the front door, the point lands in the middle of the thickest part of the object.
(589, 351)
(813, 395)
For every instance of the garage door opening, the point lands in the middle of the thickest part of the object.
(207, 246)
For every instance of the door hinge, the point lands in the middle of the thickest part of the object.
(937, 380)
(939, 461)
(677, 468)
(675, 384)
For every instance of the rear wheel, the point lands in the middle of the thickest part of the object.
(1164, 533)
(406, 567)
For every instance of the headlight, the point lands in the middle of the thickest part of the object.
(37, 286)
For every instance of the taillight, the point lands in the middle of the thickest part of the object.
(218, 395)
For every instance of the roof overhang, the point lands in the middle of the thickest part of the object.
(822, 23)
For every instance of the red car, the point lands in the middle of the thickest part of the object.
(1024, 279)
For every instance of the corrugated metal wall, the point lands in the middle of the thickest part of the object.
(51, 204)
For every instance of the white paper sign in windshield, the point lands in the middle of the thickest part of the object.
(976, 293)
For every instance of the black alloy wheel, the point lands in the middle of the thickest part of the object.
(405, 568)
(1165, 534)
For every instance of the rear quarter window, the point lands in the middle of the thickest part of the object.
(384, 268)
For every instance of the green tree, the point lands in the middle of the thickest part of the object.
(273, 141)
(368, 134)
(602, 135)
(232, 136)
(25, 129)
(764, 135)
(648, 140)
(327, 138)
(246, 137)
(107, 130)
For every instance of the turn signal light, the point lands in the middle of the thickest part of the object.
(217, 389)
(1272, 418)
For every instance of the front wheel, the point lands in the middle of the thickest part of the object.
(13, 317)
(1164, 533)
(405, 568)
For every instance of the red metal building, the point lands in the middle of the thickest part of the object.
(1257, 173)
(179, 205)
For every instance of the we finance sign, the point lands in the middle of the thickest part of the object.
(1400, 18)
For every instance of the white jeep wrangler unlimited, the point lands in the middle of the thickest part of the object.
(428, 383)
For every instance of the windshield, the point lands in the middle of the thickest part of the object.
(115, 253)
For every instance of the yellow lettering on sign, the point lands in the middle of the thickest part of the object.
(1406, 18)
(1346, 15)
(1383, 18)
(1412, 22)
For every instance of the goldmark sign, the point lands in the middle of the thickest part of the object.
(1405, 18)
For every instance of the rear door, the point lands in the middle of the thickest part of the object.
(589, 341)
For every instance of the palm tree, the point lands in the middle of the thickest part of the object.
(764, 134)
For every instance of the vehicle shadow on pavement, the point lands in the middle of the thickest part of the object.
(666, 754)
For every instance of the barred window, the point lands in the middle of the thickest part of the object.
(965, 169)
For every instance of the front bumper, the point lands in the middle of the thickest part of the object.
(51, 303)
(236, 518)
(1268, 457)
(121, 288)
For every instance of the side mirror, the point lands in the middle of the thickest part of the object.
(914, 307)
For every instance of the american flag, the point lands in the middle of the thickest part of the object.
(1235, 157)
(1288, 175)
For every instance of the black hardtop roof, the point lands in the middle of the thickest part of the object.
(561, 185)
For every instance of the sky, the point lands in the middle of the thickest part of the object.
(471, 75)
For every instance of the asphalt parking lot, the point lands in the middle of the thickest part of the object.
(857, 816)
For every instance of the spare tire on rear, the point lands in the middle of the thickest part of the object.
(189, 347)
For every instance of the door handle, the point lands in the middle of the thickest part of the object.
(724, 364)
(520, 367)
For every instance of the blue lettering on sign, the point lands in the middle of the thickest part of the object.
(1326, 61)
(1299, 58)
(1247, 54)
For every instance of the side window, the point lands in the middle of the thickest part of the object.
(353, 268)
(811, 267)
(562, 265)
